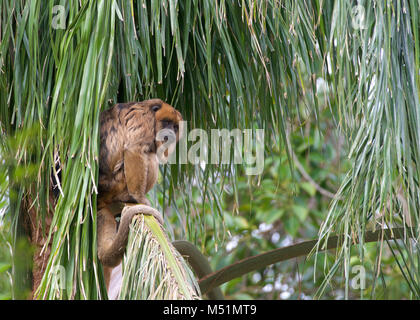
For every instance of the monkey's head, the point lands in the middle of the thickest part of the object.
(168, 125)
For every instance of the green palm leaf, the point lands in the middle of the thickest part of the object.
(153, 268)
(379, 112)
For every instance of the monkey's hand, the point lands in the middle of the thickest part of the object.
(112, 244)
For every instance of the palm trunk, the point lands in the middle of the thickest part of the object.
(36, 229)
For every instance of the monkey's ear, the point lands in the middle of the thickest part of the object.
(156, 107)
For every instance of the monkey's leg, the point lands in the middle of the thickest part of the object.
(112, 243)
(108, 251)
(135, 171)
(107, 229)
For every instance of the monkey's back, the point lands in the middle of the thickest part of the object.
(121, 127)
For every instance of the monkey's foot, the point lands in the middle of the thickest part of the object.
(131, 210)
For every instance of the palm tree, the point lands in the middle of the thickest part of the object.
(223, 64)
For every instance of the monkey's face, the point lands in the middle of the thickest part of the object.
(168, 126)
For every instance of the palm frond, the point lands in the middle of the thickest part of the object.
(375, 73)
(153, 268)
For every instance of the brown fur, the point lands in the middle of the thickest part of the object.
(128, 168)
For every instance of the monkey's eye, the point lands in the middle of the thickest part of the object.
(176, 128)
(156, 108)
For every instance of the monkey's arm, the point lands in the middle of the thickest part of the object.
(136, 173)
(112, 243)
